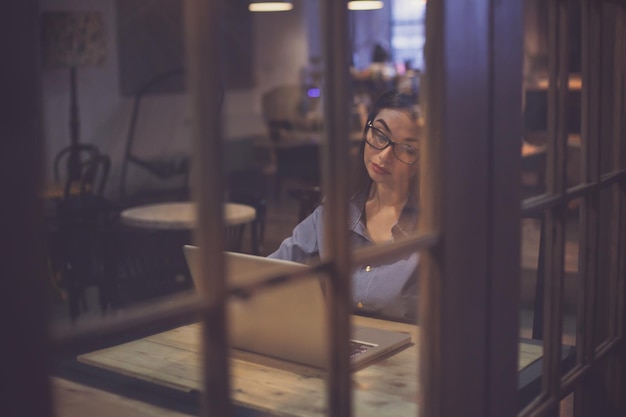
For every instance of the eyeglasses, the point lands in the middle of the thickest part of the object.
(403, 152)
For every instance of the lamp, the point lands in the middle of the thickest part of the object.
(365, 4)
(72, 40)
(270, 6)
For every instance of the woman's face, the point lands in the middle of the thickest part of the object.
(382, 165)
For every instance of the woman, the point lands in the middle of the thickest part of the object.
(382, 208)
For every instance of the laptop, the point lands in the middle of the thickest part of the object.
(288, 321)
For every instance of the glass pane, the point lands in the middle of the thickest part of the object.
(571, 286)
(535, 102)
(531, 311)
(534, 98)
(407, 33)
(610, 19)
(531, 244)
(566, 408)
(408, 9)
(604, 292)
(136, 256)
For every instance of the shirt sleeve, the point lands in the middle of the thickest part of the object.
(303, 243)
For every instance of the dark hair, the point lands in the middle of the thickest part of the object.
(392, 99)
(379, 54)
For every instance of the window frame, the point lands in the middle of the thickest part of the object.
(554, 202)
(465, 260)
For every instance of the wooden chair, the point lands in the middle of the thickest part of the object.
(250, 186)
(83, 216)
(64, 159)
(145, 264)
(308, 196)
(293, 135)
(257, 231)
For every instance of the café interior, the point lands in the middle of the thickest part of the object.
(164, 123)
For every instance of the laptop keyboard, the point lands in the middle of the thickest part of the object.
(356, 348)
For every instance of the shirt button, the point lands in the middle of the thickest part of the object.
(359, 304)
(368, 268)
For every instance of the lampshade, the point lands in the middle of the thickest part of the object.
(365, 4)
(270, 6)
(72, 39)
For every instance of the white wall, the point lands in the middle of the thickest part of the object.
(100, 106)
(280, 53)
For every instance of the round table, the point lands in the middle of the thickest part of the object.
(181, 215)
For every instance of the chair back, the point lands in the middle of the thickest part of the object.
(282, 103)
(257, 231)
(83, 204)
(94, 176)
(234, 237)
(83, 219)
(308, 197)
(285, 109)
(73, 154)
(82, 170)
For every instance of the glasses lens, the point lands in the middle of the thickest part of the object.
(377, 138)
(406, 153)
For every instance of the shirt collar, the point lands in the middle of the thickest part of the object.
(408, 219)
(406, 223)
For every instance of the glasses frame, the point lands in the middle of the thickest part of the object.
(390, 142)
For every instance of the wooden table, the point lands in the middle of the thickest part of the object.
(73, 399)
(172, 358)
(181, 215)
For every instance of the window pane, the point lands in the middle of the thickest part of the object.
(407, 32)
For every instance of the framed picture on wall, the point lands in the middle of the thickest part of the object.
(150, 40)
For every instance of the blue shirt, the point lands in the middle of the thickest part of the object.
(386, 290)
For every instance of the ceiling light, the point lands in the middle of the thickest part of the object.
(270, 6)
(365, 4)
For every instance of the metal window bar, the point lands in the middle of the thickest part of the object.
(462, 108)
(335, 154)
(541, 203)
(617, 268)
(203, 30)
(556, 183)
(618, 129)
(547, 402)
(591, 173)
(430, 362)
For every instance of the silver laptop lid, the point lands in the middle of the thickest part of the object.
(288, 321)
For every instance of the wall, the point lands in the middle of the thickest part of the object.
(280, 53)
(367, 28)
(98, 102)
